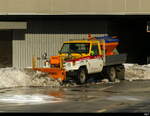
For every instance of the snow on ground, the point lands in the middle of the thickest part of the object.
(137, 72)
(12, 77)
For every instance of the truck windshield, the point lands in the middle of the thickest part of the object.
(75, 48)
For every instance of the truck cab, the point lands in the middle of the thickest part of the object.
(81, 58)
(79, 54)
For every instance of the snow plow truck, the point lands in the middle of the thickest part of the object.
(77, 59)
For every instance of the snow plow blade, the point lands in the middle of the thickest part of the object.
(55, 73)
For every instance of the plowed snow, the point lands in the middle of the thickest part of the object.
(136, 72)
(12, 77)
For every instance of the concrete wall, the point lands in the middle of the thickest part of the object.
(54, 7)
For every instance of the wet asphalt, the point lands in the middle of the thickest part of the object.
(99, 97)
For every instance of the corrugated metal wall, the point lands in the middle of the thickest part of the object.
(36, 44)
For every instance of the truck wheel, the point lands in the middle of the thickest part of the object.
(120, 72)
(82, 76)
(111, 74)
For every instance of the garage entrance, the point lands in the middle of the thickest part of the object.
(5, 48)
(134, 39)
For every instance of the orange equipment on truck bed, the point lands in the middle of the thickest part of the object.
(111, 42)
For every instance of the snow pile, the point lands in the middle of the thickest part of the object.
(41, 79)
(12, 77)
(137, 72)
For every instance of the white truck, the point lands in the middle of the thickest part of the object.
(78, 59)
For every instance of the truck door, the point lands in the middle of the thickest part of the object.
(95, 63)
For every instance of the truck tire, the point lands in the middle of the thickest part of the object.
(81, 76)
(111, 73)
(120, 72)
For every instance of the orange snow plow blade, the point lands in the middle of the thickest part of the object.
(56, 73)
(53, 72)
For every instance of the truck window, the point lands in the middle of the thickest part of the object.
(95, 49)
(75, 48)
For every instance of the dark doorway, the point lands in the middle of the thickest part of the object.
(133, 41)
(5, 48)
